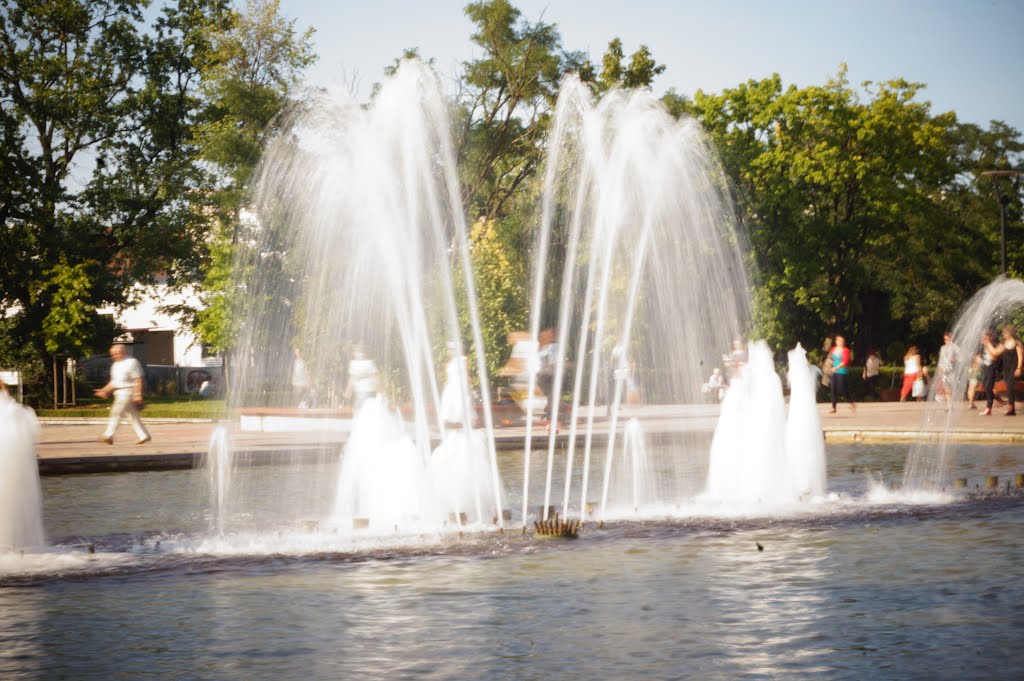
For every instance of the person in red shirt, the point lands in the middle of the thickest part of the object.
(840, 357)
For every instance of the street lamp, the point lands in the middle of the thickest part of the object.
(1004, 200)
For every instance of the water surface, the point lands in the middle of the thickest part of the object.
(863, 586)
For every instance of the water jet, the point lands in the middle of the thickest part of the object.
(359, 206)
(21, 516)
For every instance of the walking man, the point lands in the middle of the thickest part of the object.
(301, 382)
(126, 387)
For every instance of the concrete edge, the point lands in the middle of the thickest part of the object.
(92, 421)
(911, 436)
(164, 461)
(122, 463)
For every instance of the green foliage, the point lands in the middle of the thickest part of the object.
(257, 57)
(848, 203)
(501, 287)
(256, 60)
(218, 322)
(507, 96)
(505, 103)
(171, 407)
(99, 157)
(129, 150)
(503, 114)
(71, 321)
(640, 72)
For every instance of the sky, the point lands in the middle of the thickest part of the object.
(969, 53)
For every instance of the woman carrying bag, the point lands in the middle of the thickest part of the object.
(913, 376)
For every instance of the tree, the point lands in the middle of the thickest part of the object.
(844, 202)
(640, 72)
(99, 158)
(257, 58)
(501, 289)
(507, 96)
(505, 103)
(504, 108)
(975, 198)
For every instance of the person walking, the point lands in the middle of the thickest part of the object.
(126, 381)
(949, 358)
(1009, 356)
(362, 378)
(840, 363)
(871, 371)
(912, 371)
(736, 359)
(455, 398)
(547, 365)
(301, 382)
(989, 370)
(974, 380)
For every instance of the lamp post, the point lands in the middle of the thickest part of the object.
(1004, 200)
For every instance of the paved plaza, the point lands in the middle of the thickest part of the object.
(72, 445)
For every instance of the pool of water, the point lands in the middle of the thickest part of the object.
(871, 583)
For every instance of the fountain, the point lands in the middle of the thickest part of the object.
(634, 478)
(637, 251)
(218, 468)
(930, 459)
(758, 454)
(805, 444)
(383, 481)
(357, 240)
(21, 516)
(748, 453)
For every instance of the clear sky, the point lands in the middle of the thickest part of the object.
(969, 53)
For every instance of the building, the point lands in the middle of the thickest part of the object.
(173, 357)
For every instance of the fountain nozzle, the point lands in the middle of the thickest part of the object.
(556, 529)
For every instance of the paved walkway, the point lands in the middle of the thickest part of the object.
(72, 445)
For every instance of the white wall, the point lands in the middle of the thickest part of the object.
(146, 314)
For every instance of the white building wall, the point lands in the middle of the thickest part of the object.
(146, 314)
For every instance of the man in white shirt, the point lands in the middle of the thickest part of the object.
(362, 378)
(949, 358)
(126, 387)
(301, 382)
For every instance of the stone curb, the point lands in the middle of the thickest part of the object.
(90, 421)
(900, 435)
(184, 460)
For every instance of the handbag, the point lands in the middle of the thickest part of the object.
(919, 389)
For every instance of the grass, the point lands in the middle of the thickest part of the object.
(156, 407)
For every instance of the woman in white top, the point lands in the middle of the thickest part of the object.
(911, 371)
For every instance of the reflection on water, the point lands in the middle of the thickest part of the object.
(859, 590)
(775, 599)
(20, 622)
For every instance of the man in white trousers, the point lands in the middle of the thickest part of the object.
(126, 387)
